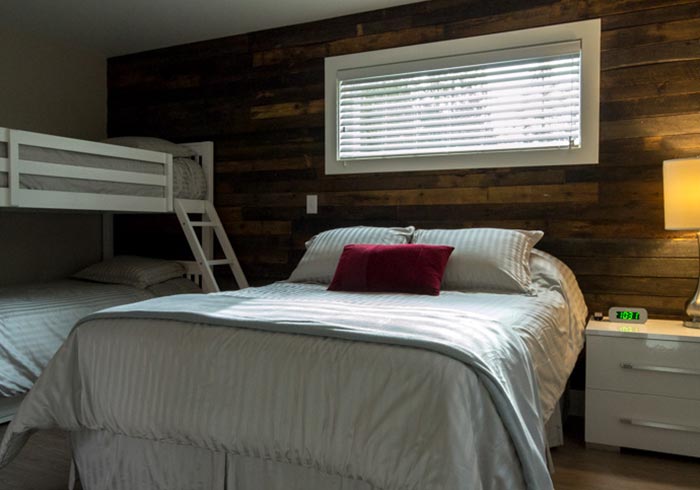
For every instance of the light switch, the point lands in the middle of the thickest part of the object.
(312, 204)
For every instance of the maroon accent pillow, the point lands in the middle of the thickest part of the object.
(415, 269)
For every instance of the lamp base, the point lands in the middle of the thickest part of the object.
(691, 323)
(693, 307)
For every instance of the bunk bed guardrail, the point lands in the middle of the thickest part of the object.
(12, 163)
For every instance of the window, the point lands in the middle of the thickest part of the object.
(520, 98)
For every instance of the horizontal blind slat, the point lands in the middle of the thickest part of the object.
(461, 86)
(388, 80)
(502, 131)
(466, 107)
(561, 143)
(492, 90)
(442, 119)
(410, 143)
(457, 85)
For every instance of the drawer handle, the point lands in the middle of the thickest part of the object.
(660, 369)
(660, 425)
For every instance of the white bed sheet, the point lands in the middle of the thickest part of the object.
(36, 319)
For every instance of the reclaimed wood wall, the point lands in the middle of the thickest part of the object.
(260, 98)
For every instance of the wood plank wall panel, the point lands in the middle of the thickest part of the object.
(260, 98)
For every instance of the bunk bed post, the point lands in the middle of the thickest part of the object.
(13, 170)
(107, 236)
(205, 154)
(5, 167)
(207, 157)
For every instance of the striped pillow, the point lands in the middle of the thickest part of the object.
(323, 250)
(485, 259)
(139, 272)
(553, 274)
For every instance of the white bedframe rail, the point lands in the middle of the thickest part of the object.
(14, 195)
(192, 272)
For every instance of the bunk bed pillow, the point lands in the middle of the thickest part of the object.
(485, 259)
(189, 181)
(323, 250)
(153, 144)
(139, 272)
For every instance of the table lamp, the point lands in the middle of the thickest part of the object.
(682, 211)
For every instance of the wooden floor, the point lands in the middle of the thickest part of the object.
(43, 465)
(578, 468)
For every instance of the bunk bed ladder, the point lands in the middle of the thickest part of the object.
(210, 219)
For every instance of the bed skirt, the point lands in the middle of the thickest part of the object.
(106, 461)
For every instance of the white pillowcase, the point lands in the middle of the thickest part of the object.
(485, 259)
(553, 274)
(323, 250)
(139, 272)
(153, 144)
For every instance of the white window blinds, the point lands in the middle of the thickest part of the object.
(508, 102)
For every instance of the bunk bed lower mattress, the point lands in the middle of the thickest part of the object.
(36, 319)
(189, 181)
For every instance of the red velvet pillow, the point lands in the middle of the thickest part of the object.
(416, 269)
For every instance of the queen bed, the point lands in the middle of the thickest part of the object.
(292, 386)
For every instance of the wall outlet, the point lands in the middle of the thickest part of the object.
(312, 204)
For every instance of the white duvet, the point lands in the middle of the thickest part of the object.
(369, 411)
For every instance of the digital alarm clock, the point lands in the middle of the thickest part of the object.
(627, 315)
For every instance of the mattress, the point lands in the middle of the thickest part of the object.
(313, 386)
(36, 319)
(189, 181)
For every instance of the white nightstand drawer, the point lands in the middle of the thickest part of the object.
(649, 366)
(644, 422)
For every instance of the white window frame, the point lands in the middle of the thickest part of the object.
(484, 49)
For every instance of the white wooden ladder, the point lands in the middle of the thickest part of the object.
(210, 219)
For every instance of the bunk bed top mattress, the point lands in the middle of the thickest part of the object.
(36, 319)
(189, 181)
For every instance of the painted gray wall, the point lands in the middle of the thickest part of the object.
(37, 247)
(52, 88)
(57, 89)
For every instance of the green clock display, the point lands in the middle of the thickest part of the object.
(627, 315)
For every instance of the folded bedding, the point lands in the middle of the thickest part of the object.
(396, 390)
(189, 181)
(36, 319)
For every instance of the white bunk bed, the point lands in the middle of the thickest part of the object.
(41, 171)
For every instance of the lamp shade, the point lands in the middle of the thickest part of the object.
(682, 194)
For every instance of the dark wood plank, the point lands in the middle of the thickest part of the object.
(662, 13)
(677, 30)
(650, 55)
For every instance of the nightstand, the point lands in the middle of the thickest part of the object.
(643, 386)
